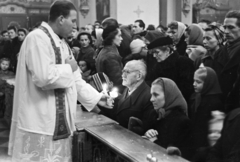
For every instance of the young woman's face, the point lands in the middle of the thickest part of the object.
(5, 65)
(158, 97)
(21, 36)
(173, 33)
(198, 83)
(84, 40)
(187, 36)
(83, 66)
(118, 38)
(210, 41)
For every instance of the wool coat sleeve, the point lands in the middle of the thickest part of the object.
(113, 69)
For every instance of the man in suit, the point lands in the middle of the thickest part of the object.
(135, 100)
(227, 60)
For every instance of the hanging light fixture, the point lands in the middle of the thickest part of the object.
(84, 8)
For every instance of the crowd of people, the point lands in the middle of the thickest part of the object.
(176, 83)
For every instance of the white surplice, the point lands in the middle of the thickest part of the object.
(34, 107)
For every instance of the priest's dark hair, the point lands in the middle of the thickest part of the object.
(59, 8)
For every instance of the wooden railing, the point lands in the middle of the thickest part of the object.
(100, 139)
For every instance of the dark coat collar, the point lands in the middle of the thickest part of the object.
(127, 102)
(170, 61)
(222, 57)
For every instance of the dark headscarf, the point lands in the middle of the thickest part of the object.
(210, 86)
(195, 34)
(173, 97)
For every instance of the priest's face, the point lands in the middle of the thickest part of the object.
(68, 23)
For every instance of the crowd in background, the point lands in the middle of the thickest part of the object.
(177, 83)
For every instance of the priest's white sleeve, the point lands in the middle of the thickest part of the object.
(87, 95)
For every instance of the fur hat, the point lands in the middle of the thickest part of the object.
(162, 41)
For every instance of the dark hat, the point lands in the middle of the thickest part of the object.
(162, 41)
(108, 30)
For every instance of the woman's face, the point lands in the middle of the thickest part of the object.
(187, 37)
(118, 38)
(215, 132)
(21, 36)
(158, 97)
(5, 65)
(83, 66)
(209, 40)
(173, 33)
(160, 55)
(84, 41)
(198, 83)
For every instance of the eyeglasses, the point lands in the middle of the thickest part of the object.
(127, 72)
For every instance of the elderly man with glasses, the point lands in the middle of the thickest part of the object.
(135, 100)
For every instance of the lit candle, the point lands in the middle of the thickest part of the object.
(154, 159)
(114, 92)
(149, 157)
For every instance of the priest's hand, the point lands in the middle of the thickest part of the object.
(106, 101)
(72, 62)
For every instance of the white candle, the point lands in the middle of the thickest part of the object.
(154, 159)
(149, 157)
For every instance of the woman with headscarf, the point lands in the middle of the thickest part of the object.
(108, 60)
(194, 40)
(171, 65)
(176, 31)
(213, 40)
(205, 99)
(172, 126)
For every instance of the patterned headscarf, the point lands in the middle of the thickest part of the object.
(218, 32)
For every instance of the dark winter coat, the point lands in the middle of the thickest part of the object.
(174, 130)
(227, 71)
(110, 62)
(178, 68)
(137, 105)
(200, 118)
(207, 60)
(227, 148)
